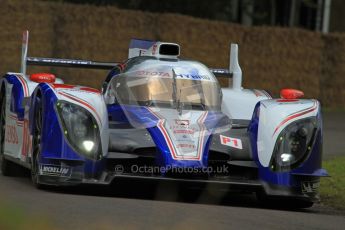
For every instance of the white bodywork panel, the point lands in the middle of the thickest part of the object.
(274, 117)
(240, 104)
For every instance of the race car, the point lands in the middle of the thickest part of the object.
(163, 118)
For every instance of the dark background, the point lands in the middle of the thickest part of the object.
(306, 14)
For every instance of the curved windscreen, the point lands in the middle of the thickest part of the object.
(181, 85)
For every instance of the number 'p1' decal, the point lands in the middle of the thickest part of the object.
(230, 141)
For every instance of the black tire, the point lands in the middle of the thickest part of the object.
(36, 144)
(282, 202)
(7, 167)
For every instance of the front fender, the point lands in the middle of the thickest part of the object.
(274, 116)
(54, 144)
(270, 118)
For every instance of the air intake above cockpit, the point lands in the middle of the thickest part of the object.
(153, 48)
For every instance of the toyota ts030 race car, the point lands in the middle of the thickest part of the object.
(160, 117)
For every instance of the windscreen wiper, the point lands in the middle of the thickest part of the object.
(177, 103)
(174, 85)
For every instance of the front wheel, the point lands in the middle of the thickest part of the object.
(36, 143)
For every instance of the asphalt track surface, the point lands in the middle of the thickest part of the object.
(165, 206)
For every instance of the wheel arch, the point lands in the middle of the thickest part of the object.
(45, 94)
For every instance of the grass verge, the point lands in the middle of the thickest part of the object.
(14, 218)
(332, 189)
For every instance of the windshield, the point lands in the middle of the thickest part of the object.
(175, 84)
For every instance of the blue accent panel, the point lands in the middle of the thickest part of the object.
(140, 116)
(253, 133)
(206, 151)
(115, 113)
(141, 44)
(17, 96)
(317, 173)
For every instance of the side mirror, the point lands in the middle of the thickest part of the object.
(43, 77)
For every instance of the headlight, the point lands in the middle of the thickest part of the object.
(80, 129)
(294, 144)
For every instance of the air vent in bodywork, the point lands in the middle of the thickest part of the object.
(139, 47)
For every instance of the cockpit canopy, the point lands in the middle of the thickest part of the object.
(166, 83)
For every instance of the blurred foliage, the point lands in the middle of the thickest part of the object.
(332, 188)
(14, 218)
(247, 12)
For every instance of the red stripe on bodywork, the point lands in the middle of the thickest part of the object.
(62, 86)
(167, 138)
(25, 139)
(202, 132)
(83, 103)
(86, 89)
(164, 132)
(294, 115)
(91, 90)
(24, 84)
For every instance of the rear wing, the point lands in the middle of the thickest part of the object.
(70, 63)
(234, 70)
(74, 63)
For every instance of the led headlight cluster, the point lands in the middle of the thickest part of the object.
(294, 144)
(80, 129)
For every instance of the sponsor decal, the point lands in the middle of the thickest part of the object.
(184, 137)
(153, 73)
(230, 141)
(184, 131)
(187, 76)
(182, 127)
(55, 170)
(193, 77)
(186, 146)
(182, 122)
(11, 135)
(310, 186)
(154, 49)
